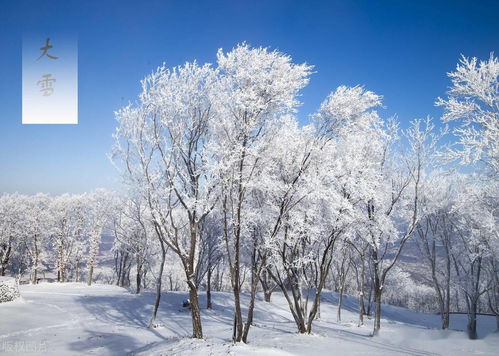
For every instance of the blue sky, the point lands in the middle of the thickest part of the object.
(400, 49)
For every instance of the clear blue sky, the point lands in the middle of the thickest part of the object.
(400, 49)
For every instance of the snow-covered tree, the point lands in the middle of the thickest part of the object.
(435, 234)
(164, 145)
(394, 213)
(473, 103)
(68, 234)
(257, 87)
(133, 232)
(477, 221)
(35, 231)
(99, 204)
(10, 228)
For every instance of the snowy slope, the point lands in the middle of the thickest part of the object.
(66, 319)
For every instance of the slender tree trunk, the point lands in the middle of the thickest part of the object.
(144, 279)
(129, 268)
(37, 253)
(369, 299)
(238, 332)
(208, 288)
(94, 251)
(267, 290)
(139, 276)
(158, 285)
(377, 312)
(474, 300)
(446, 321)
(340, 301)
(294, 304)
(342, 277)
(251, 307)
(60, 257)
(236, 278)
(362, 310)
(197, 330)
(377, 300)
(6, 257)
(64, 274)
(255, 277)
(117, 264)
(77, 270)
(124, 270)
(90, 275)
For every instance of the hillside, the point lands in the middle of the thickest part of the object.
(72, 318)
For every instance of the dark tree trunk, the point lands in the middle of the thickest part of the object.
(77, 271)
(472, 332)
(369, 299)
(90, 274)
(158, 285)
(238, 332)
(265, 282)
(340, 302)
(37, 255)
(139, 276)
(474, 300)
(256, 269)
(377, 300)
(6, 257)
(362, 310)
(208, 288)
(197, 330)
(446, 319)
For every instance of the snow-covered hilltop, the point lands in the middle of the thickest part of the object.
(73, 318)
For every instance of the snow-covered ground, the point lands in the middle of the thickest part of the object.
(66, 319)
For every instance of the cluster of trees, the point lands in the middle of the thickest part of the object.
(217, 159)
(227, 191)
(62, 234)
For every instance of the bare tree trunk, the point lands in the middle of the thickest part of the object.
(197, 330)
(37, 254)
(60, 260)
(473, 300)
(6, 257)
(90, 275)
(340, 301)
(472, 332)
(256, 268)
(369, 299)
(265, 282)
(238, 332)
(117, 266)
(124, 269)
(77, 271)
(251, 307)
(158, 285)
(208, 287)
(139, 275)
(446, 320)
(342, 274)
(362, 310)
(377, 300)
